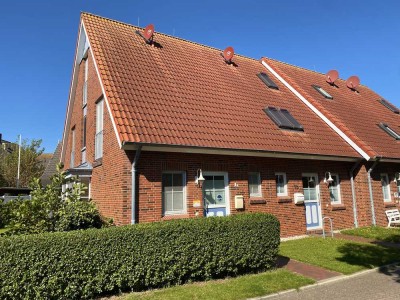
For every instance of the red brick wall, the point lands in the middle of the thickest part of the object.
(291, 216)
(111, 179)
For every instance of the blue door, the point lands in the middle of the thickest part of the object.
(214, 196)
(311, 202)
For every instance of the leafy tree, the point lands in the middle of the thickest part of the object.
(30, 166)
(53, 209)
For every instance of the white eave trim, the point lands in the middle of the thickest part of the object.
(102, 88)
(318, 113)
(71, 91)
(236, 152)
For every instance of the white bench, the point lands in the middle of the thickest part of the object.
(393, 216)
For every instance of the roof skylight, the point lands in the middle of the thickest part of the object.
(322, 92)
(389, 131)
(283, 119)
(390, 106)
(268, 81)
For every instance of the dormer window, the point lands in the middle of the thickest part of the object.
(322, 92)
(389, 131)
(268, 81)
(283, 119)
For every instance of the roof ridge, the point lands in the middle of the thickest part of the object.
(309, 70)
(167, 35)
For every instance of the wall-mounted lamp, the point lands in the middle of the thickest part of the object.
(328, 178)
(199, 179)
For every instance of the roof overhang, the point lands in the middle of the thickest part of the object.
(83, 170)
(235, 152)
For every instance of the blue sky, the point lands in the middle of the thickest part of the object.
(38, 41)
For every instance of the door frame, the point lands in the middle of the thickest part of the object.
(226, 183)
(318, 199)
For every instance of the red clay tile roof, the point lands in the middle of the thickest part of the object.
(185, 94)
(358, 114)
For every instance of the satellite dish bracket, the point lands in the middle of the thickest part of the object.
(148, 41)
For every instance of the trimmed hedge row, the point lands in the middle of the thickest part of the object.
(85, 264)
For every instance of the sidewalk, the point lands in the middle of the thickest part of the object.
(314, 272)
(360, 239)
(377, 284)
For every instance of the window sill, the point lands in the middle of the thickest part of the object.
(257, 200)
(175, 216)
(338, 207)
(98, 162)
(390, 204)
(285, 199)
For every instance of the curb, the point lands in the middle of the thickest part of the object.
(325, 281)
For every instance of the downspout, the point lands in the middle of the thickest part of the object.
(133, 196)
(353, 193)
(371, 197)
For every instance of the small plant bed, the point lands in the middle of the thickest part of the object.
(243, 287)
(391, 235)
(339, 255)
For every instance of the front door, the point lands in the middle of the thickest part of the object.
(311, 201)
(215, 194)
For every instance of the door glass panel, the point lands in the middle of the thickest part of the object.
(309, 188)
(209, 196)
(214, 190)
(219, 182)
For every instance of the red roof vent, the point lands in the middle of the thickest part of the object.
(331, 76)
(353, 82)
(147, 34)
(228, 55)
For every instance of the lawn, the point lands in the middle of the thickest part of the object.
(378, 233)
(243, 287)
(339, 255)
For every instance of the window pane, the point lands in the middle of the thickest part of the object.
(254, 184)
(280, 184)
(178, 182)
(385, 187)
(168, 201)
(178, 201)
(167, 182)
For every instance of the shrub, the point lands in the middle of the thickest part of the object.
(85, 264)
(53, 209)
(5, 213)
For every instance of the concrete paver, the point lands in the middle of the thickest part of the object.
(383, 283)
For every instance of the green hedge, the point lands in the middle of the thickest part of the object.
(85, 264)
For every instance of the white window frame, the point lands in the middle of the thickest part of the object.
(386, 187)
(259, 192)
(285, 193)
(98, 149)
(175, 212)
(84, 93)
(72, 157)
(339, 200)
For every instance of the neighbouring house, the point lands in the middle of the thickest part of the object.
(150, 114)
(51, 166)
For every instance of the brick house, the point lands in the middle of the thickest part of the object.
(147, 118)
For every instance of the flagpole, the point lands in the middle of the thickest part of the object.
(19, 159)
